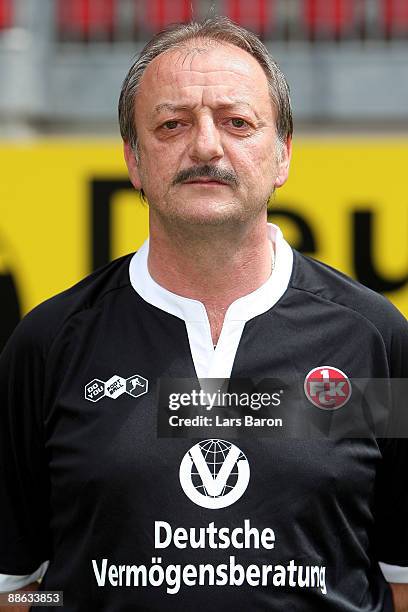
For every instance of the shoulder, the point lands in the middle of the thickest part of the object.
(39, 327)
(329, 286)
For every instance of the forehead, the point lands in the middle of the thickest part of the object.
(204, 74)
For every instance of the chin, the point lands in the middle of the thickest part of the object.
(212, 215)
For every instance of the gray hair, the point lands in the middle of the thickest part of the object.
(218, 29)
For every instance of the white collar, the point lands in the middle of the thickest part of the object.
(210, 362)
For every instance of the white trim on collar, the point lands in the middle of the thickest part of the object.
(394, 573)
(218, 362)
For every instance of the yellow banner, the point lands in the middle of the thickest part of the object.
(66, 207)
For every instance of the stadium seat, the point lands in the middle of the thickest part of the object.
(6, 14)
(160, 13)
(86, 19)
(256, 15)
(395, 17)
(329, 18)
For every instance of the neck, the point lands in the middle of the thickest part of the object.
(215, 265)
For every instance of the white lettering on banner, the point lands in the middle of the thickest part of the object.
(174, 576)
(231, 572)
(212, 537)
(251, 421)
(208, 401)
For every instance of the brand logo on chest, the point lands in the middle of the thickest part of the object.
(214, 473)
(116, 386)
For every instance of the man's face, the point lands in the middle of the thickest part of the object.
(200, 116)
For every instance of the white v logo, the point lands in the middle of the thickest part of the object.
(214, 496)
(214, 486)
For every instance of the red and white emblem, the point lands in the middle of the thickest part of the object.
(327, 387)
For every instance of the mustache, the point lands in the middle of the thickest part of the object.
(206, 171)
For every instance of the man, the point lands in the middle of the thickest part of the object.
(121, 517)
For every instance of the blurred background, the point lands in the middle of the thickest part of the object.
(66, 206)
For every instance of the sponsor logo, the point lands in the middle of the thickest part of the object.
(115, 386)
(214, 474)
(327, 387)
(135, 385)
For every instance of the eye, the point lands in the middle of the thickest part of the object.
(239, 123)
(170, 125)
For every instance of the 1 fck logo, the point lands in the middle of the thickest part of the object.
(327, 387)
(214, 473)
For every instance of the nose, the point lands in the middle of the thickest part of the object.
(206, 141)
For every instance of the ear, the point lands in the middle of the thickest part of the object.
(283, 164)
(132, 166)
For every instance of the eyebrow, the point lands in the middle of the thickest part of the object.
(177, 107)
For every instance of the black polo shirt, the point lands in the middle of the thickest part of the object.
(120, 517)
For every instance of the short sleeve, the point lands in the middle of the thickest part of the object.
(24, 484)
(391, 493)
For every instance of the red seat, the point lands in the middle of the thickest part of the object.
(331, 18)
(395, 16)
(160, 13)
(6, 14)
(256, 15)
(86, 18)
